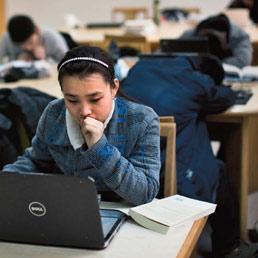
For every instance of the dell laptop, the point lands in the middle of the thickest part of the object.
(56, 210)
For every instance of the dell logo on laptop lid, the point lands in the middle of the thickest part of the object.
(37, 209)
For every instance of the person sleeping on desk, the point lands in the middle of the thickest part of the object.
(24, 40)
(227, 41)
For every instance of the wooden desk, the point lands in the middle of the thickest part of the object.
(238, 129)
(48, 85)
(165, 30)
(131, 241)
(96, 36)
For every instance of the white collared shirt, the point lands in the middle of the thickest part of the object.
(74, 131)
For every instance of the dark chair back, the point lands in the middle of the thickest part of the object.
(69, 40)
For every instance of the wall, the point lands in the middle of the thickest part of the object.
(52, 12)
(2, 16)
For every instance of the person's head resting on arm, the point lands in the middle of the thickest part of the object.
(24, 33)
(217, 30)
(87, 79)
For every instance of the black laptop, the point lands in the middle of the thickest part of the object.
(54, 210)
(185, 45)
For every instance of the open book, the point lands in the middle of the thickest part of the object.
(247, 73)
(160, 215)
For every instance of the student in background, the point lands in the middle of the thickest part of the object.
(24, 40)
(190, 89)
(228, 42)
(95, 132)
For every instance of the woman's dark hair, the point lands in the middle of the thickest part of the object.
(82, 68)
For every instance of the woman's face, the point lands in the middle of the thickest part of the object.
(90, 96)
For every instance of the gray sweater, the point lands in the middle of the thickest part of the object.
(55, 46)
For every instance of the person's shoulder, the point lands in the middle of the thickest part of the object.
(137, 111)
(50, 34)
(237, 31)
(46, 30)
(56, 107)
(6, 38)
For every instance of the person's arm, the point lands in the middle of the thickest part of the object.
(216, 98)
(37, 157)
(134, 178)
(241, 47)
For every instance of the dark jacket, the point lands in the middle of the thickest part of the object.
(172, 86)
(27, 102)
(8, 152)
(19, 107)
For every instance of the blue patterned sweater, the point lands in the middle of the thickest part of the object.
(126, 160)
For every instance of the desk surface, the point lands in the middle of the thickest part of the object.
(165, 30)
(51, 86)
(48, 85)
(131, 241)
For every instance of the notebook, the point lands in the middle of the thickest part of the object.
(53, 209)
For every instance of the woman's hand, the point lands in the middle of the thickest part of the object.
(92, 130)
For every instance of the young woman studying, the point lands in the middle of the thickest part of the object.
(95, 132)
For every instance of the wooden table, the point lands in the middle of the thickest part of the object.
(132, 240)
(48, 85)
(165, 30)
(96, 36)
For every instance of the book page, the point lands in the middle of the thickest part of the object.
(232, 70)
(250, 72)
(174, 210)
(121, 206)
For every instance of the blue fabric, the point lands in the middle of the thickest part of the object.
(126, 160)
(171, 86)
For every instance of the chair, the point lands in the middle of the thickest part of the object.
(129, 13)
(168, 130)
(129, 40)
(68, 39)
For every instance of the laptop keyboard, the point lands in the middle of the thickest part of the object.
(242, 96)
